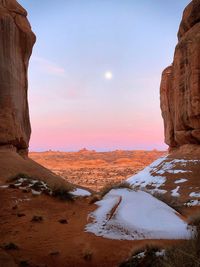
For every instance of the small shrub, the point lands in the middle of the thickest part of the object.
(37, 186)
(37, 219)
(10, 246)
(27, 190)
(12, 186)
(94, 198)
(54, 253)
(63, 221)
(109, 187)
(195, 221)
(87, 255)
(18, 176)
(146, 257)
(62, 194)
(20, 215)
(188, 253)
(24, 263)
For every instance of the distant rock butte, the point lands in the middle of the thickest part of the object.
(180, 85)
(16, 43)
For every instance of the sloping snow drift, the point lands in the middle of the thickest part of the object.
(154, 176)
(130, 215)
(144, 177)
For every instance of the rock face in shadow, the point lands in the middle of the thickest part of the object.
(16, 42)
(180, 85)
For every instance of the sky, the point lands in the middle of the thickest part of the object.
(95, 71)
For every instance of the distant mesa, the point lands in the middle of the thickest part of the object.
(85, 150)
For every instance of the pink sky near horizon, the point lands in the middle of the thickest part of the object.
(71, 103)
(109, 131)
(68, 120)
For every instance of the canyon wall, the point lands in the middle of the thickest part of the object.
(180, 84)
(16, 43)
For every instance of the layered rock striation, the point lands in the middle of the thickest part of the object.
(16, 43)
(180, 84)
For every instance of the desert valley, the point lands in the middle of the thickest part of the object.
(95, 169)
(125, 208)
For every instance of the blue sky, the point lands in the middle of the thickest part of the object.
(72, 105)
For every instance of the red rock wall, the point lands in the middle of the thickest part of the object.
(16, 42)
(180, 84)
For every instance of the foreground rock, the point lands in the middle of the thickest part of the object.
(180, 95)
(16, 44)
(180, 105)
(13, 165)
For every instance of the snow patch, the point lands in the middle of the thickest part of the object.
(157, 191)
(36, 193)
(160, 253)
(192, 203)
(177, 171)
(194, 194)
(80, 192)
(167, 166)
(4, 186)
(174, 192)
(179, 181)
(139, 215)
(140, 255)
(144, 177)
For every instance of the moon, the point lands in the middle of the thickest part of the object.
(108, 75)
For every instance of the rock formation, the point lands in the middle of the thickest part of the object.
(180, 85)
(16, 42)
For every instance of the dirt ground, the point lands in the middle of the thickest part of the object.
(39, 231)
(51, 243)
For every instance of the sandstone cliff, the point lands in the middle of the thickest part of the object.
(16, 42)
(180, 106)
(180, 85)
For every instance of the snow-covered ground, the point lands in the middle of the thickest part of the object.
(133, 215)
(145, 177)
(78, 192)
(161, 167)
(155, 176)
(175, 193)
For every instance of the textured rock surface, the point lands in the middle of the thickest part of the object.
(16, 42)
(180, 85)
